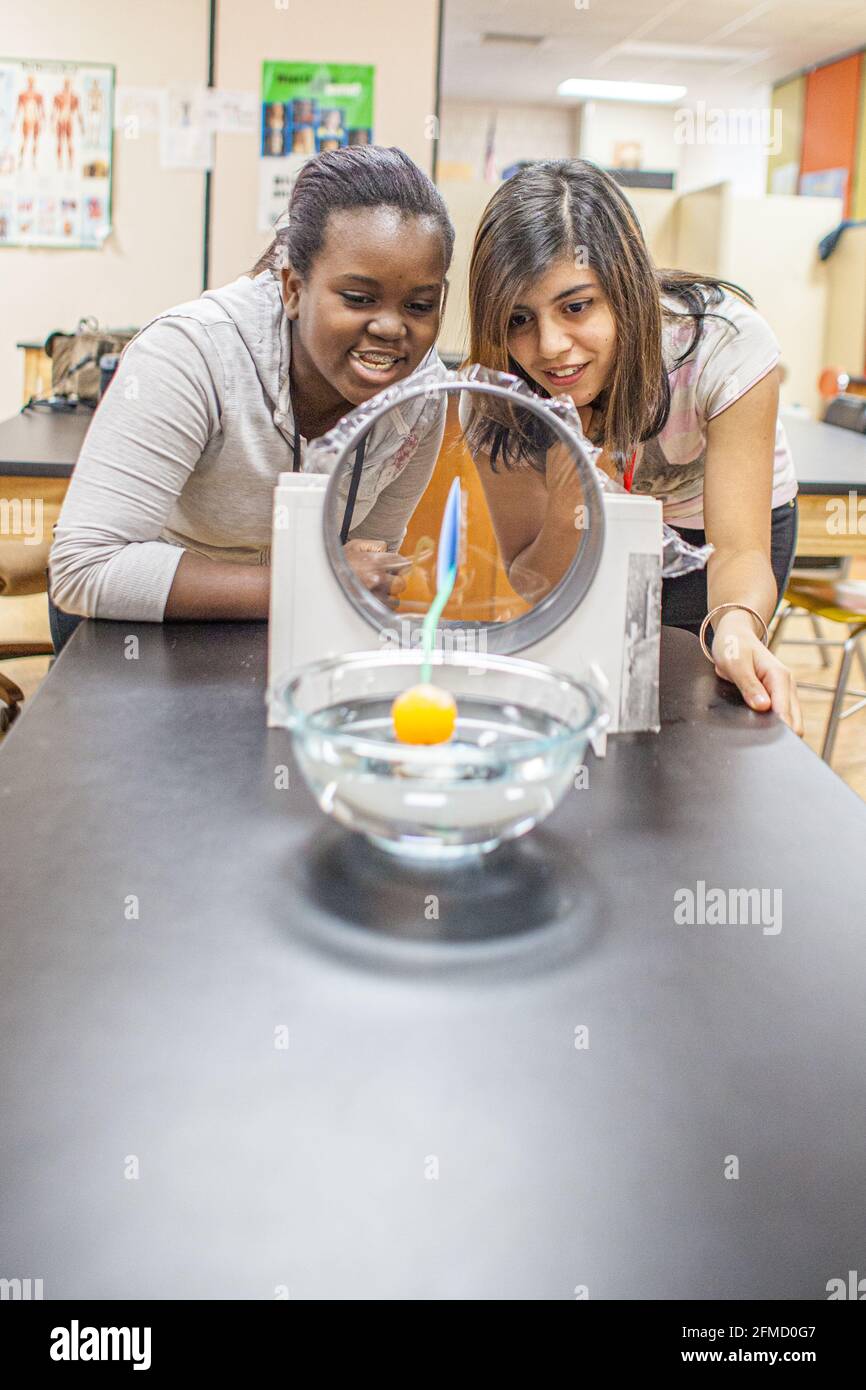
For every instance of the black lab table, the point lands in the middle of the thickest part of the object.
(243, 1057)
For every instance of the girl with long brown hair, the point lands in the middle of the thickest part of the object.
(673, 375)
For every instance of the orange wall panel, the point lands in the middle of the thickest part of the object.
(830, 119)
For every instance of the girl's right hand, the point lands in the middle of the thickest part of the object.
(373, 563)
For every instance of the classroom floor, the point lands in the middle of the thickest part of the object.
(849, 756)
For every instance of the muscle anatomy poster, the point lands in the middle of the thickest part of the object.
(55, 153)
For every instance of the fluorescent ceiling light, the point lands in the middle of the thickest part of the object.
(519, 40)
(597, 90)
(685, 52)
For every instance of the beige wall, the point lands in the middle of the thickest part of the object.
(771, 249)
(399, 39)
(656, 212)
(153, 256)
(466, 202)
(607, 124)
(769, 246)
(522, 132)
(845, 335)
(699, 230)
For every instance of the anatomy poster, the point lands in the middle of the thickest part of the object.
(55, 153)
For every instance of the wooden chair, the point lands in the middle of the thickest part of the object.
(820, 602)
(11, 696)
(846, 409)
(23, 575)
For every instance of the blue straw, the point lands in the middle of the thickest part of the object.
(446, 573)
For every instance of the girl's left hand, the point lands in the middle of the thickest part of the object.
(764, 682)
(373, 563)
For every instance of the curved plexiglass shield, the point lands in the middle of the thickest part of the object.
(531, 520)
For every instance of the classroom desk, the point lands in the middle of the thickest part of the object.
(830, 463)
(46, 444)
(37, 369)
(42, 443)
(38, 450)
(169, 909)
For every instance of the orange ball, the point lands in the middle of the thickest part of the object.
(424, 714)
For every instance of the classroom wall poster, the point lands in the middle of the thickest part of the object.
(186, 134)
(307, 108)
(824, 183)
(55, 153)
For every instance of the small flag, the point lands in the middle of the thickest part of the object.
(490, 153)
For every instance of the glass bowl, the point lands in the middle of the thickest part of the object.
(521, 733)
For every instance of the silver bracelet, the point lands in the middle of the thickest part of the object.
(720, 608)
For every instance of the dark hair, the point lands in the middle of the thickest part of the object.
(571, 207)
(355, 176)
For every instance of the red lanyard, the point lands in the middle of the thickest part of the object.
(629, 472)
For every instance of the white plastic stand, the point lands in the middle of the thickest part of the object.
(612, 636)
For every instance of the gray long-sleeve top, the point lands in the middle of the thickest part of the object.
(186, 447)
